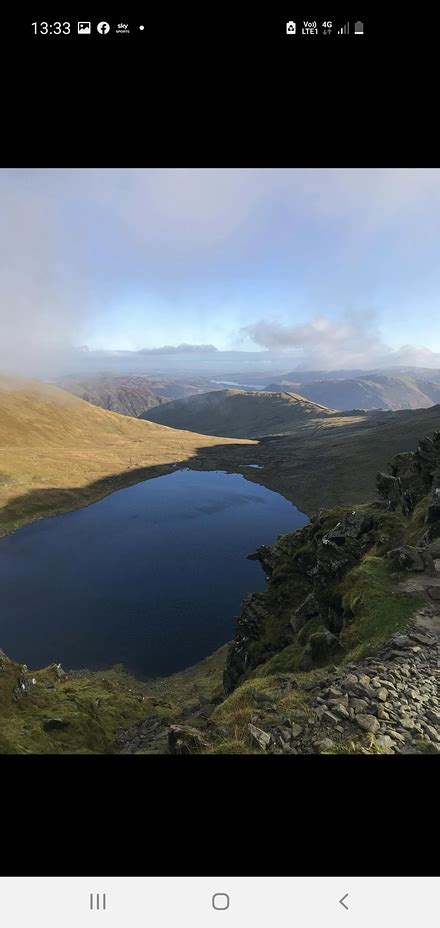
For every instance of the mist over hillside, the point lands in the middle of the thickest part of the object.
(129, 395)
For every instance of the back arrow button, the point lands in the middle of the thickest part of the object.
(342, 901)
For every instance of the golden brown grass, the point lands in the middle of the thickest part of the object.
(58, 452)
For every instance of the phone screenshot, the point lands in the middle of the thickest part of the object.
(219, 471)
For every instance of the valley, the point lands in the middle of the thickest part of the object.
(251, 695)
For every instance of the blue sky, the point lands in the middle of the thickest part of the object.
(335, 267)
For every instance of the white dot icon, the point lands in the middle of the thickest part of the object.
(141, 27)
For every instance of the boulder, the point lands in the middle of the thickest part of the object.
(261, 738)
(368, 723)
(185, 740)
(407, 557)
(319, 649)
(386, 744)
(388, 488)
(433, 512)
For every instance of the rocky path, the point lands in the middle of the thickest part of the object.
(393, 696)
(389, 701)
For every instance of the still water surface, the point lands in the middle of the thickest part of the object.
(152, 576)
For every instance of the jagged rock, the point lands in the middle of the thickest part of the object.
(407, 557)
(368, 723)
(23, 685)
(260, 737)
(328, 716)
(262, 698)
(401, 641)
(432, 733)
(422, 637)
(307, 610)
(352, 526)
(388, 488)
(323, 745)
(433, 512)
(296, 730)
(411, 476)
(320, 646)
(386, 743)
(434, 548)
(185, 740)
(248, 629)
(359, 705)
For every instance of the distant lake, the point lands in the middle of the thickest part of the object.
(151, 576)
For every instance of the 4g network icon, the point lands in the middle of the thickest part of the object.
(308, 28)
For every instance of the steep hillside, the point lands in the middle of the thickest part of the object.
(128, 395)
(238, 413)
(339, 655)
(375, 391)
(58, 452)
(327, 461)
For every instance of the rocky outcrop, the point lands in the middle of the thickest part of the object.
(249, 627)
(325, 550)
(411, 558)
(392, 697)
(186, 740)
(412, 476)
(321, 558)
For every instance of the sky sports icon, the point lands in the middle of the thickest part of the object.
(85, 28)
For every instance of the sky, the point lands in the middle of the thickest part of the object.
(331, 268)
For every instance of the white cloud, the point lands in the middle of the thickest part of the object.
(74, 241)
(329, 344)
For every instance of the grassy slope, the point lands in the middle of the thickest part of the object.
(128, 394)
(92, 706)
(378, 612)
(58, 452)
(238, 413)
(333, 460)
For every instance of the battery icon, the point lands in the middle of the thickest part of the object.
(358, 28)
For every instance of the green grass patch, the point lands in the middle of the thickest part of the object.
(378, 610)
(416, 526)
(93, 706)
(288, 659)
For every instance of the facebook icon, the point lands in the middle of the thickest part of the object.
(103, 28)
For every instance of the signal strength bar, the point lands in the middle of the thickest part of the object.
(344, 30)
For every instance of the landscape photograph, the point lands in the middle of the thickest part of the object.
(220, 461)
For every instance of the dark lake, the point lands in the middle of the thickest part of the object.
(151, 576)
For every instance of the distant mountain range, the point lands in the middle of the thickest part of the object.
(184, 348)
(373, 391)
(128, 395)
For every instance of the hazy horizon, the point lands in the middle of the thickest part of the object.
(327, 269)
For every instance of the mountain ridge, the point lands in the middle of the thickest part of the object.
(236, 412)
(374, 391)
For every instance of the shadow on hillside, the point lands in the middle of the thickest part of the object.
(40, 503)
